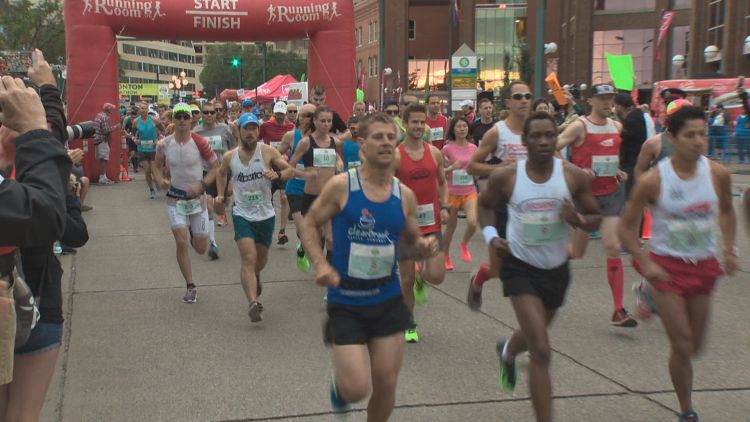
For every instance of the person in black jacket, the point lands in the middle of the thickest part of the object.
(633, 135)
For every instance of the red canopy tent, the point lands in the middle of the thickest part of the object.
(272, 90)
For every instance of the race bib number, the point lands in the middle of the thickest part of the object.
(437, 134)
(605, 165)
(689, 236)
(462, 178)
(370, 262)
(189, 207)
(216, 143)
(353, 164)
(542, 228)
(324, 157)
(147, 144)
(425, 215)
(276, 144)
(252, 199)
(300, 167)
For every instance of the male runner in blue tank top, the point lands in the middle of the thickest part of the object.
(539, 193)
(373, 216)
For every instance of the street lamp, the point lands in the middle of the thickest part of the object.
(386, 71)
(679, 63)
(179, 82)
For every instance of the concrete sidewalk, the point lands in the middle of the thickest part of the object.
(134, 352)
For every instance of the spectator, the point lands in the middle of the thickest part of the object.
(650, 127)
(359, 110)
(633, 135)
(718, 131)
(102, 138)
(467, 107)
(742, 136)
(485, 122)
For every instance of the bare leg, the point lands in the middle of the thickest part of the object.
(31, 378)
(147, 170)
(433, 271)
(470, 208)
(406, 271)
(200, 244)
(352, 372)
(386, 355)
(102, 168)
(84, 188)
(249, 256)
(284, 214)
(450, 228)
(579, 239)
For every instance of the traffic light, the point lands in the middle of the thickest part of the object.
(235, 62)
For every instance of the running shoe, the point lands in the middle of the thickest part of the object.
(595, 235)
(411, 336)
(191, 296)
(104, 181)
(688, 417)
(213, 251)
(474, 295)
(337, 403)
(507, 373)
(283, 239)
(85, 208)
(222, 220)
(254, 311)
(303, 263)
(151, 194)
(420, 290)
(465, 254)
(645, 306)
(448, 263)
(622, 318)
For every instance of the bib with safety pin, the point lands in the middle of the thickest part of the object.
(252, 199)
(425, 215)
(216, 142)
(541, 228)
(370, 262)
(437, 134)
(689, 236)
(147, 144)
(462, 178)
(324, 157)
(605, 165)
(189, 207)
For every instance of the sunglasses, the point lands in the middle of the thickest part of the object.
(292, 111)
(219, 110)
(306, 115)
(195, 112)
(182, 116)
(391, 112)
(209, 112)
(521, 96)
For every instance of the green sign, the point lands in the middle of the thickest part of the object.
(621, 70)
(142, 89)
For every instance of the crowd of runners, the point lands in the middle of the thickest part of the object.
(375, 202)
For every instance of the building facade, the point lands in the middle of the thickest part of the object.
(157, 61)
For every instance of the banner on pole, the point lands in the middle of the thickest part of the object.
(666, 22)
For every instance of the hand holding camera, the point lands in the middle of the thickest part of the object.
(22, 108)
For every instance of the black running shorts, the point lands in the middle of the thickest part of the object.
(347, 325)
(295, 203)
(520, 278)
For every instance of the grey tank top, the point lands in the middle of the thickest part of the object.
(666, 148)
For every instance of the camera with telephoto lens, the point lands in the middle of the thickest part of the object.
(83, 130)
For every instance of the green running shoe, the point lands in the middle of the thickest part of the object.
(420, 290)
(303, 263)
(507, 374)
(411, 336)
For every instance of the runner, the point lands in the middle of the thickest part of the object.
(437, 123)
(317, 152)
(184, 153)
(373, 216)
(252, 213)
(486, 120)
(687, 193)
(359, 110)
(539, 193)
(271, 132)
(195, 114)
(503, 144)
(420, 167)
(145, 138)
(295, 188)
(350, 147)
(291, 114)
(220, 139)
(594, 142)
(462, 193)
(338, 126)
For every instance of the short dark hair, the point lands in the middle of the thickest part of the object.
(537, 115)
(352, 120)
(367, 121)
(318, 90)
(390, 103)
(624, 99)
(677, 120)
(540, 101)
(427, 98)
(452, 127)
(514, 83)
(414, 108)
(484, 100)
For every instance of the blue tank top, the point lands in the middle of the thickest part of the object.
(350, 153)
(366, 236)
(296, 186)
(147, 133)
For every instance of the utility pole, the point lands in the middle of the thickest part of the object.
(541, 11)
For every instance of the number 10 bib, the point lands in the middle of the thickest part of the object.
(324, 157)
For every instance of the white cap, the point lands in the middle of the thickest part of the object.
(467, 103)
(279, 107)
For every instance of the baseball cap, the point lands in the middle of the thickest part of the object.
(467, 103)
(247, 118)
(279, 107)
(194, 108)
(624, 99)
(601, 89)
(181, 108)
(676, 105)
(247, 102)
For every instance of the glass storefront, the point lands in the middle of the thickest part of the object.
(637, 42)
(500, 32)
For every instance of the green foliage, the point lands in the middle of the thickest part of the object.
(26, 25)
(221, 72)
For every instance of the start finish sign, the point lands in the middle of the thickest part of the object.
(142, 89)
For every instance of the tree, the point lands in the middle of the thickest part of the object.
(218, 72)
(25, 25)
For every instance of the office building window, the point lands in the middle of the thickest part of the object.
(369, 67)
(682, 4)
(375, 31)
(128, 49)
(369, 32)
(716, 14)
(500, 34)
(637, 42)
(680, 42)
(412, 29)
(620, 5)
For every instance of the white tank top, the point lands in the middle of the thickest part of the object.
(684, 216)
(509, 144)
(537, 234)
(252, 191)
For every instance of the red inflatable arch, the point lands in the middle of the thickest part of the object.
(91, 26)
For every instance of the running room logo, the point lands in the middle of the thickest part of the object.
(607, 142)
(310, 13)
(366, 220)
(149, 9)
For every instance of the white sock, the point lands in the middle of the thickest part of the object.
(211, 231)
(506, 356)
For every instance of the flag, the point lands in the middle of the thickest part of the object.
(666, 21)
(362, 79)
(455, 13)
(427, 79)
